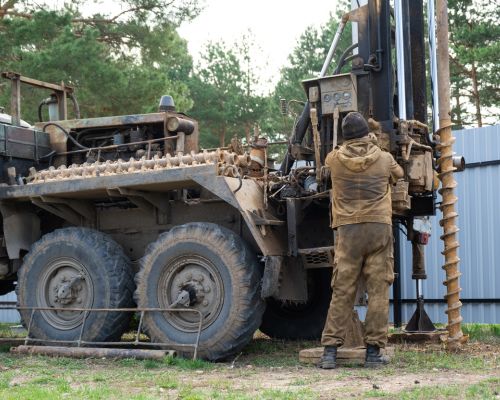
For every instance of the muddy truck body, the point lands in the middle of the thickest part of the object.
(126, 211)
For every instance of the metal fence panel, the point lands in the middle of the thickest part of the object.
(9, 316)
(478, 195)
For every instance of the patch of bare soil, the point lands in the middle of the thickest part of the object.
(351, 381)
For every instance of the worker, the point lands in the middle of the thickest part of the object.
(361, 176)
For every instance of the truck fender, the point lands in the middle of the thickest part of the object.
(21, 228)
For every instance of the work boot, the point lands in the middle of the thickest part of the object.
(329, 358)
(373, 357)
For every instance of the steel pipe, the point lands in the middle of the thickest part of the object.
(334, 45)
(400, 58)
(433, 64)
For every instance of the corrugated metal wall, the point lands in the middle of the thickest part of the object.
(479, 209)
(10, 316)
(478, 194)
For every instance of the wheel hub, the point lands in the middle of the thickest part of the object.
(65, 284)
(200, 279)
(67, 291)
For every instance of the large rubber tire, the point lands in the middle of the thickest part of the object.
(285, 320)
(227, 265)
(108, 283)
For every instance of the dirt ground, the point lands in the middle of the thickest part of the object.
(266, 369)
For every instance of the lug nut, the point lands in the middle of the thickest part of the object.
(205, 302)
(206, 289)
(200, 278)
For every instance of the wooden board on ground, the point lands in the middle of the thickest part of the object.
(345, 356)
(438, 336)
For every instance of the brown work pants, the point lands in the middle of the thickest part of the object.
(365, 248)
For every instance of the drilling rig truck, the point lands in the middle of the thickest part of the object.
(120, 212)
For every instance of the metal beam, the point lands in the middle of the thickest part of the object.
(81, 207)
(61, 210)
(36, 82)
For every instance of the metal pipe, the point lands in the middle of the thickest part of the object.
(450, 229)
(116, 146)
(408, 67)
(396, 288)
(417, 59)
(420, 291)
(400, 62)
(334, 45)
(433, 64)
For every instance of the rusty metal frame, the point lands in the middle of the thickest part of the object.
(79, 342)
(16, 79)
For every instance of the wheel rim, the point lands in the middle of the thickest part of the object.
(65, 283)
(202, 280)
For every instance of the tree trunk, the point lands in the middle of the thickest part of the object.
(459, 111)
(475, 94)
(222, 136)
(247, 132)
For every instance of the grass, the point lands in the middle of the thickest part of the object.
(271, 350)
(487, 389)
(482, 332)
(415, 360)
(8, 330)
(266, 369)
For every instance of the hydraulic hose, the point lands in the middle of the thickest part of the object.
(344, 57)
(40, 117)
(66, 133)
(298, 134)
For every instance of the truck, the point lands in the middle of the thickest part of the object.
(119, 212)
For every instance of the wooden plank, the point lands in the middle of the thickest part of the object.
(345, 356)
(438, 336)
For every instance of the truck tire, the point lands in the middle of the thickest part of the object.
(76, 268)
(300, 321)
(221, 274)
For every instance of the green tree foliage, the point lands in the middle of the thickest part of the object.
(119, 64)
(305, 61)
(474, 68)
(224, 92)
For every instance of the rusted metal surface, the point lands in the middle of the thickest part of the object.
(37, 83)
(136, 343)
(95, 187)
(250, 199)
(15, 101)
(58, 138)
(60, 91)
(23, 143)
(446, 139)
(85, 352)
(121, 167)
(21, 228)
